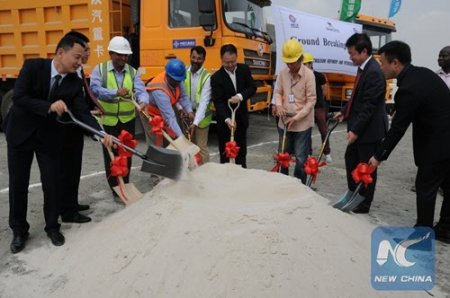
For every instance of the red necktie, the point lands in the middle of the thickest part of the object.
(349, 104)
(90, 94)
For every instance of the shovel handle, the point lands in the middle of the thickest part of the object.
(102, 134)
(233, 117)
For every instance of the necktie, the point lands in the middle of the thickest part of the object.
(349, 104)
(91, 95)
(55, 86)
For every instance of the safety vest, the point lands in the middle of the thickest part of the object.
(117, 109)
(203, 77)
(159, 83)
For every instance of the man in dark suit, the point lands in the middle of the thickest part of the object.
(45, 88)
(232, 82)
(365, 113)
(422, 99)
(73, 150)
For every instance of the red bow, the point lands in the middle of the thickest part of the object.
(126, 138)
(198, 159)
(312, 167)
(119, 166)
(362, 174)
(157, 126)
(231, 149)
(282, 160)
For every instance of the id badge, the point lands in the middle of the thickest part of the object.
(291, 98)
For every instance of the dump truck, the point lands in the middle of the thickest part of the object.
(158, 30)
(340, 86)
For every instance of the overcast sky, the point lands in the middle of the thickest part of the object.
(424, 25)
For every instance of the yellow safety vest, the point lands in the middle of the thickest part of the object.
(117, 109)
(203, 77)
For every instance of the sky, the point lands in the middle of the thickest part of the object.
(424, 25)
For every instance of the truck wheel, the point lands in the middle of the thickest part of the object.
(6, 103)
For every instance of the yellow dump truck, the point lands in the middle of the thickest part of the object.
(340, 86)
(157, 29)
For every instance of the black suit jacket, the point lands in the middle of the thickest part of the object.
(29, 114)
(368, 118)
(222, 89)
(422, 99)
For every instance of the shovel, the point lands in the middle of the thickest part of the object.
(233, 118)
(159, 161)
(127, 192)
(330, 130)
(345, 198)
(354, 201)
(187, 149)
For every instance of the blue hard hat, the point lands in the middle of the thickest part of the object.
(176, 69)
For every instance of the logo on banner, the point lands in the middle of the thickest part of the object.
(293, 21)
(403, 258)
(330, 27)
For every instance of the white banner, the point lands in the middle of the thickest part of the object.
(323, 37)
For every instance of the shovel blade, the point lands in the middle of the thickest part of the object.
(187, 150)
(343, 199)
(353, 203)
(128, 193)
(163, 162)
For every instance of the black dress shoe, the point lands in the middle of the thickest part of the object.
(56, 237)
(75, 217)
(81, 207)
(18, 242)
(361, 209)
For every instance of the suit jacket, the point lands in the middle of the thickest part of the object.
(422, 99)
(368, 118)
(29, 114)
(222, 89)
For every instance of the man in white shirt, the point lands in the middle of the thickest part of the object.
(198, 89)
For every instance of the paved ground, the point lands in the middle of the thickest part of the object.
(394, 203)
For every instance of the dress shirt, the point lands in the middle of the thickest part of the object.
(444, 76)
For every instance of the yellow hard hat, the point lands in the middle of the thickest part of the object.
(292, 51)
(308, 57)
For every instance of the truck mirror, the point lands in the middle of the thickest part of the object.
(206, 6)
(207, 20)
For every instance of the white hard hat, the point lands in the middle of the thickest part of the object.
(120, 45)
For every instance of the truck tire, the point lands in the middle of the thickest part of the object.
(6, 103)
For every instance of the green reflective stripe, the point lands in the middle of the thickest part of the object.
(126, 112)
(104, 72)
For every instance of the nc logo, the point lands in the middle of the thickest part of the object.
(398, 253)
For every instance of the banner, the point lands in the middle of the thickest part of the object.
(395, 7)
(349, 10)
(323, 37)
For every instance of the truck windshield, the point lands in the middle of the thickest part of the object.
(244, 16)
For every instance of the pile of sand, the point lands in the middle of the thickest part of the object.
(221, 231)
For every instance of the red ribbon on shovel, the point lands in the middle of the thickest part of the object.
(282, 160)
(119, 166)
(362, 174)
(157, 127)
(231, 149)
(312, 167)
(126, 138)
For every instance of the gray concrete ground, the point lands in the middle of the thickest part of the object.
(394, 203)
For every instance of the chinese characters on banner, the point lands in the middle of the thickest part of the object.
(97, 31)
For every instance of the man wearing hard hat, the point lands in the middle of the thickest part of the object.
(114, 82)
(295, 97)
(167, 94)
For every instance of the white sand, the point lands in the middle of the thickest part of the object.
(221, 231)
